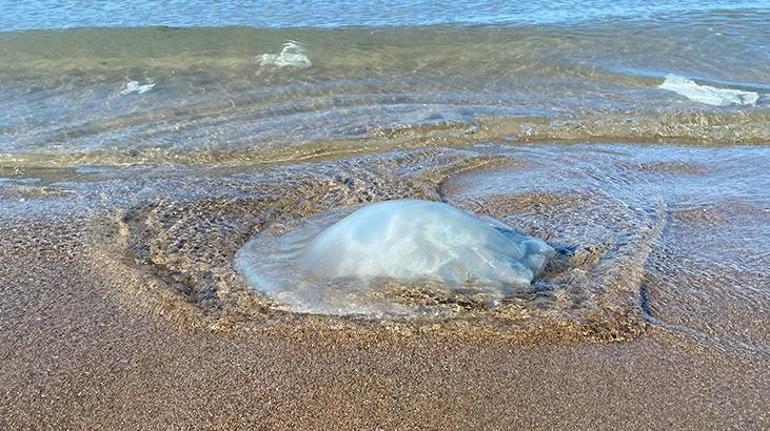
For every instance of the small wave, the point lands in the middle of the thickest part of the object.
(707, 94)
(134, 87)
(292, 55)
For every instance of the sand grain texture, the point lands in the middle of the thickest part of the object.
(74, 358)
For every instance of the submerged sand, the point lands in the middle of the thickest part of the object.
(120, 307)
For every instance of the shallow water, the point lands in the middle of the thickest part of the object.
(671, 236)
(179, 145)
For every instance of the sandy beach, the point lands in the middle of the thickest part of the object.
(95, 336)
(74, 358)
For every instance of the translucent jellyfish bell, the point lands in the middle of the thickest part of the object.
(414, 240)
(346, 267)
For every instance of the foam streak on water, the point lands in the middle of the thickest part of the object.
(708, 94)
(292, 54)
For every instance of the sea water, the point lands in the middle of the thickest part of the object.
(630, 137)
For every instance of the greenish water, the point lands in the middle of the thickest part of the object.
(164, 95)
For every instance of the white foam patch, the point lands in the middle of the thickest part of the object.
(135, 87)
(706, 94)
(292, 55)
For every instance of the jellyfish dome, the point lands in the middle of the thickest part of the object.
(339, 267)
(414, 240)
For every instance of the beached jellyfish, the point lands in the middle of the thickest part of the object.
(355, 264)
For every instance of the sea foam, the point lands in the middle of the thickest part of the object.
(707, 94)
(136, 87)
(292, 55)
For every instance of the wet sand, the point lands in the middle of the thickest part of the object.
(121, 310)
(74, 358)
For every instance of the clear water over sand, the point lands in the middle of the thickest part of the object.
(635, 147)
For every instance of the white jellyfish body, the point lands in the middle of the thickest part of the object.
(344, 268)
(413, 240)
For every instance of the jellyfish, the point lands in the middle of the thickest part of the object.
(338, 267)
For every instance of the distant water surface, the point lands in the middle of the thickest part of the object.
(53, 14)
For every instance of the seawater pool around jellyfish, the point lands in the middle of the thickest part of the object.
(390, 258)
